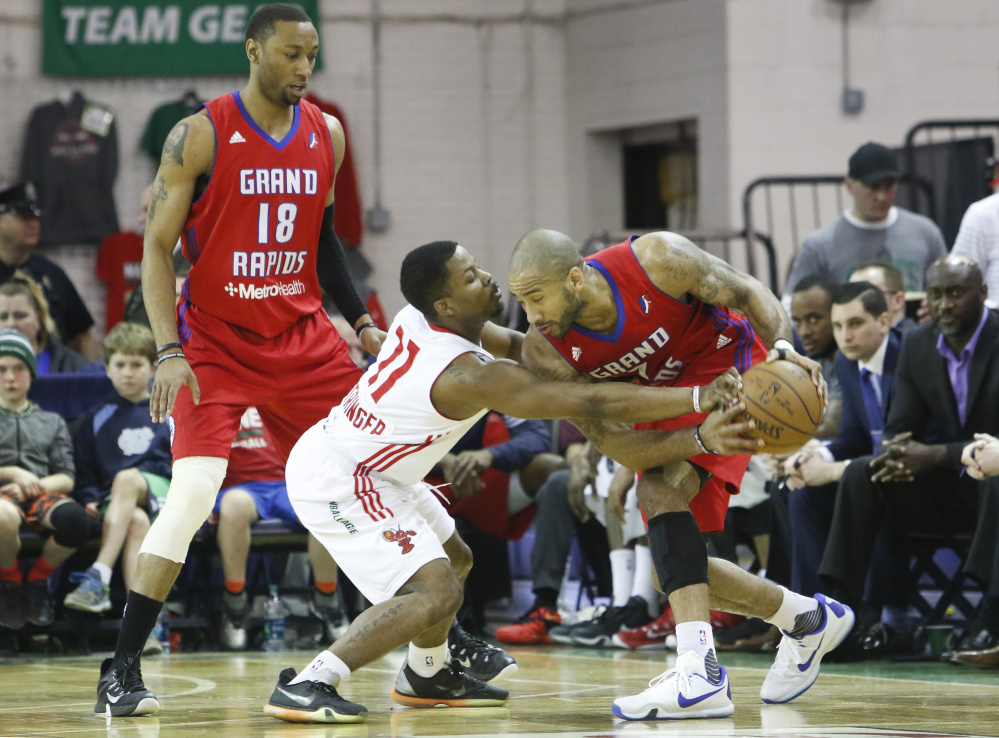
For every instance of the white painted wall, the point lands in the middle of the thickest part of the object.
(503, 115)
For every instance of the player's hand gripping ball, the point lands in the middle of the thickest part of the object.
(784, 403)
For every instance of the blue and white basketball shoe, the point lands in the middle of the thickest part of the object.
(682, 692)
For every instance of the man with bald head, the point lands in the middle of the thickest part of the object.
(947, 389)
(656, 310)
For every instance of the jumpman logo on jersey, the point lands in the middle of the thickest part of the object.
(236, 138)
(313, 141)
(646, 303)
(576, 353)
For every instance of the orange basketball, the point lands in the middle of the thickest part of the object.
(784, 403)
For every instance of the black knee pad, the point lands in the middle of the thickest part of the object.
(71, 525)
(678, 551)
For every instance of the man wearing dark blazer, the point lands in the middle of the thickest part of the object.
(868, 352)
(947, 389)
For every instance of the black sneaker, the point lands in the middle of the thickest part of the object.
(120, 691)
(750, 628)
(481, 660)
(599, 631)
(563, 633)
(11, 605)
(39, 605)
(311, 702)
(450, 687)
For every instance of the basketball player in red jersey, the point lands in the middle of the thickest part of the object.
(247, 183)
(655, 310)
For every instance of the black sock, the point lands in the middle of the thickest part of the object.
(545, 597)
(140, 618)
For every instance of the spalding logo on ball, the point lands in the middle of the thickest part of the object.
(784, 403)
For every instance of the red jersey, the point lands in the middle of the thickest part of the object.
(251, 237)
(657, 338)
(252, 457)
(119, 267)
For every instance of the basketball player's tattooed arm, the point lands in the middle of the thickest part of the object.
(679, 268)
(188, 156)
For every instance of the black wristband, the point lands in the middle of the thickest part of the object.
(177, 355)
(700, 443)
(166, 346)
(362, 326)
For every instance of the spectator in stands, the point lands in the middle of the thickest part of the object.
(979, 644)
(19, 229)
(869, 349)
(811, 301)
(889, 280)
(947, 389)
(978, 239)
(874, 229)
(123, 465)
(254, 489)
(24, 308)
(36, 477)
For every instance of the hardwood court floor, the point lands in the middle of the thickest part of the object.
(558, 691)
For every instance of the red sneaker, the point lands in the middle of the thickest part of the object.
(724, 621)
(530, 629)
(648, 637)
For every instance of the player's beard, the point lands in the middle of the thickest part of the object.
(573, 309)
(273, 89)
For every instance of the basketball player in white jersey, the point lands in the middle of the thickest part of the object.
(354, 479)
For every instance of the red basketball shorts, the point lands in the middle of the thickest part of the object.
(293, 379)
(710, 505)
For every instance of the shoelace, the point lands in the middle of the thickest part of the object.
(788, 653)
(130, 676)
(327, 689)
(467, 644)
(458, 672)
(681, 681)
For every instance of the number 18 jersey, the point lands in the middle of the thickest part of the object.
(251, 236)
(387, 423)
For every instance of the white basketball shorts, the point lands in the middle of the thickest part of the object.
(379, 534)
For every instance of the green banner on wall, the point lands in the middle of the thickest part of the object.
(148, 38)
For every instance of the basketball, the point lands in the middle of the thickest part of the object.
(784, 403)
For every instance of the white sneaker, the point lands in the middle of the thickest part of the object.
(798, 659)
(682, 692)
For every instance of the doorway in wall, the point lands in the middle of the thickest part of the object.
(660, 177)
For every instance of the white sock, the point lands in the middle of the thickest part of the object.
(694, 636)
(622, 563)
(642, 585)
(326, 668)
(427, 661)
(790, 608)
(105, 572)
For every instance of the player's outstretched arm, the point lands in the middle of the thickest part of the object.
(501, 342)
(188, 154)
(471, 383)
(679, 267)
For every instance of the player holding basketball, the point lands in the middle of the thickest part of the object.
(655, 310)
(354, 479)
(248, 182)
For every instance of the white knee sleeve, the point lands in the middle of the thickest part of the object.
(193, 488)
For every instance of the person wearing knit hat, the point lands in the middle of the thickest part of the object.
(13, 343)
(36, 477)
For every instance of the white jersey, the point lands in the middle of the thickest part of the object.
(387, 422)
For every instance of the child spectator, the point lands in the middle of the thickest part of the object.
(36, 475)
(122, 465)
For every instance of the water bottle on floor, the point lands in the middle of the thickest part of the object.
(274, 614)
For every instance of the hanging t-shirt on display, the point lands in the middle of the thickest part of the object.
(119, 266)
(71, 154)
(163, 119)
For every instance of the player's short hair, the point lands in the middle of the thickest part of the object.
(130, 339)
(894, 281)
(546, 252)
(424, 275)
(820, 279)
(870, 297)
(261, 25)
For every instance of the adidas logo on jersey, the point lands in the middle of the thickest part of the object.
(236, 138)
(576, 353)
(723, 341)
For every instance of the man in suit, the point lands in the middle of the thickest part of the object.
(868, 351)
(889, 280)
(947, 389)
